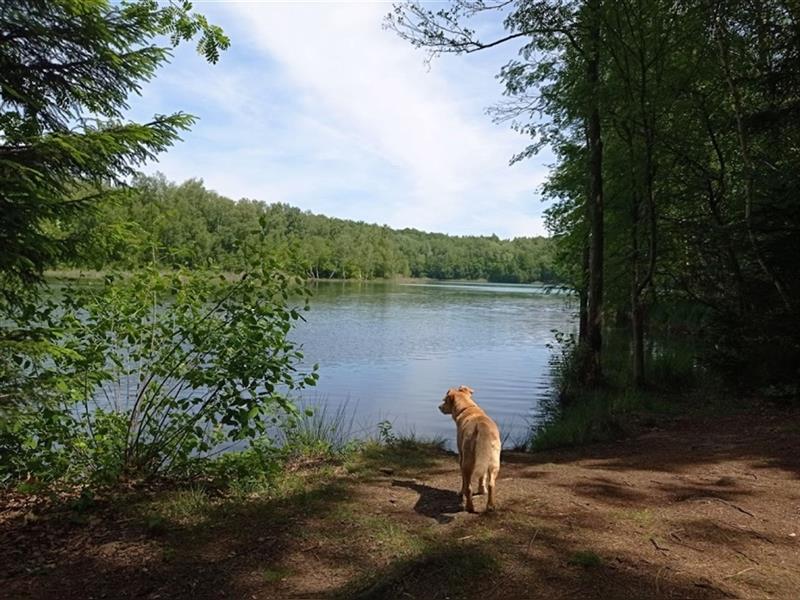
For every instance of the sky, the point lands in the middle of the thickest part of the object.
(318, 106)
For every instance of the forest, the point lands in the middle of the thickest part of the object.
(187, 225)
(676, 131)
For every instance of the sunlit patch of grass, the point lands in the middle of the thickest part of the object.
(382, 533)
(644, 516)
(190, 506)
(393, 537)
(319, 433)
(275, 574)
(401, 455)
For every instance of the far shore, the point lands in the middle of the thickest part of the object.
(97, 275)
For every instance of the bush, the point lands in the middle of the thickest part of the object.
(147, 374)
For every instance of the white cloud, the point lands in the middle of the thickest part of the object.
(318, 106)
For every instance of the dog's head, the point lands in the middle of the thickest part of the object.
(452, 396)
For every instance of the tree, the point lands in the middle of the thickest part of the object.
(700, 135)
(67, 68)
(675, 128)
(561, 36)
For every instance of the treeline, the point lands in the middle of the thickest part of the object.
(188, 225)
(676, 127)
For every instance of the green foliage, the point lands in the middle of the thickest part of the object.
(566, 363)
(255, 468)
(697, 106)
(699, 211)
(576, 415)
(149, 373)
(318, 433)
(590, 417)
(386, 433)
(188, 225)
(67, 69)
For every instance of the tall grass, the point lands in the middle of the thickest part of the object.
(577, 416)
(319, 431)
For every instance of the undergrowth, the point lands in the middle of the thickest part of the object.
(576, 415)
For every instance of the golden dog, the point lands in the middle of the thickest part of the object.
(478, 444)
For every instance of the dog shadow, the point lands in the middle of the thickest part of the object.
(433, 502)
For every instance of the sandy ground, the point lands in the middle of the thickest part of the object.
(697, 508)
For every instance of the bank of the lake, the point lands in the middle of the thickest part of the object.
(701, 506)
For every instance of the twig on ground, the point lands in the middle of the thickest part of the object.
(718, 499)
(739, 552)
(739, 573)
(657, 547)
(533, 539)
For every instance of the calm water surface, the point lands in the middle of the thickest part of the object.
(390, 351)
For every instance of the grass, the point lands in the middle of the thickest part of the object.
(580, 416)
(438, 571)
(310, 468)
(394, 538)
(400, 456)
(585, 558)
(273, 575)
(588, 419)
(319, 431)
(190, 506)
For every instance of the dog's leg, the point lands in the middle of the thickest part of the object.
(492, 477)
(461, 468)
(468, 505)
(466, 483)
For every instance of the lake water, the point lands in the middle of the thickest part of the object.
(389, 351)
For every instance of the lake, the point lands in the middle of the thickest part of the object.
(389, 351)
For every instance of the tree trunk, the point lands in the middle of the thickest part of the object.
(637, 339)
(636, 314)
(593, 373)
(583, 294)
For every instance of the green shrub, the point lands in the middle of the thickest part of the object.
(147, 374)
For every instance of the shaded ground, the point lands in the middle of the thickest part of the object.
(702, 508)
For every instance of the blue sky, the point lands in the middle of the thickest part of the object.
(318, 106)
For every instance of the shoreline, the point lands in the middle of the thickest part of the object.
(96, 275)
(694, 507)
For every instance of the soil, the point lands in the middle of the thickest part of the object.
(705, 507)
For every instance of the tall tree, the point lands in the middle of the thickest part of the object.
(67, 68)
(559, 35)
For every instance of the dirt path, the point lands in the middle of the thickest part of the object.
(706, 508)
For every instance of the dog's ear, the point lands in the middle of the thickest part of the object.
(468, 390)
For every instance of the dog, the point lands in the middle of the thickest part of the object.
(478, 444)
